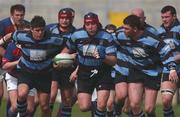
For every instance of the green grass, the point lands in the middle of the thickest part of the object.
(76, 112)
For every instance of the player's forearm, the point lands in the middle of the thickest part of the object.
(5, 39)
(10, 65)
(2, 51)
(77, 68)
(177, 57)
(110, 60)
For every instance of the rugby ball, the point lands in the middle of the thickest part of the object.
(64, 58)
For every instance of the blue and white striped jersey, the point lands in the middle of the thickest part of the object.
(143, 54)
(37, 54)
(85, 46)
(171, 37)
(120, 68)
(54, 28)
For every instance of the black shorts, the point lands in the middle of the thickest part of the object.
(165, 77)
(86, 81)
(41, 81)
(152, 82)
(119, 78)
(62, 77)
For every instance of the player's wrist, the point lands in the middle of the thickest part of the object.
(2, 41)
(172, 66)
(173, 70)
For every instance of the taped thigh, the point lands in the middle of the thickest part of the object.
(168, 91)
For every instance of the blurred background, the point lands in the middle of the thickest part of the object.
(109, 11)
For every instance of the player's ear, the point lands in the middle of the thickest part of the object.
(135, 29)
(31, 29)
(174, 16)
(144, 18)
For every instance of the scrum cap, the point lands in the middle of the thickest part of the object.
(66, 13)
(91, 18)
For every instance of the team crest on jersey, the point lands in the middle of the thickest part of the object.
(139, 52)
(89, 50)
(171, 43)
(38, 55)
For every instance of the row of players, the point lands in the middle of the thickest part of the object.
(141, 57)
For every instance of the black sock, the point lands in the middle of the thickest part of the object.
(65, 111)
(22, 107)
(93, 107)
(141, 114)
(99, 113)
(118, 108)
(11, 114)
(152, 114)
(168, 112)
(109, 113)
(51, 106)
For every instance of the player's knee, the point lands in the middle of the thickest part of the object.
(149, 108)
(101, 106)
(166, 101)
(45, 108)
(13, 107)
(30, 109)
(110, 105)
(120, 97)
(135, 106)
(167, 96)
(22, 94)
(67, 101)
(84, 107)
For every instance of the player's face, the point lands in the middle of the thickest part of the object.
(91, 28)
(167, 19)
(128, 30)
(38, 33)
(64, 22)
(18, 16)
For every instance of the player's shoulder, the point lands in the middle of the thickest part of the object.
(150, 37)
(52, 26)
(11, 45)
(21, 34)
(5, 22)
(80, 33)
(103, 34)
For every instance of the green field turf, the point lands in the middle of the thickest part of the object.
(76, 112)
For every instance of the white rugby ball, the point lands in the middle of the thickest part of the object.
(64, 58)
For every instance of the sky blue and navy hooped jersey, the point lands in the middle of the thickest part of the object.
(150, 29)
(54, 28)
(171, 37)
(37, 55)
(85, 46)
(143, 54)
(120, 68)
